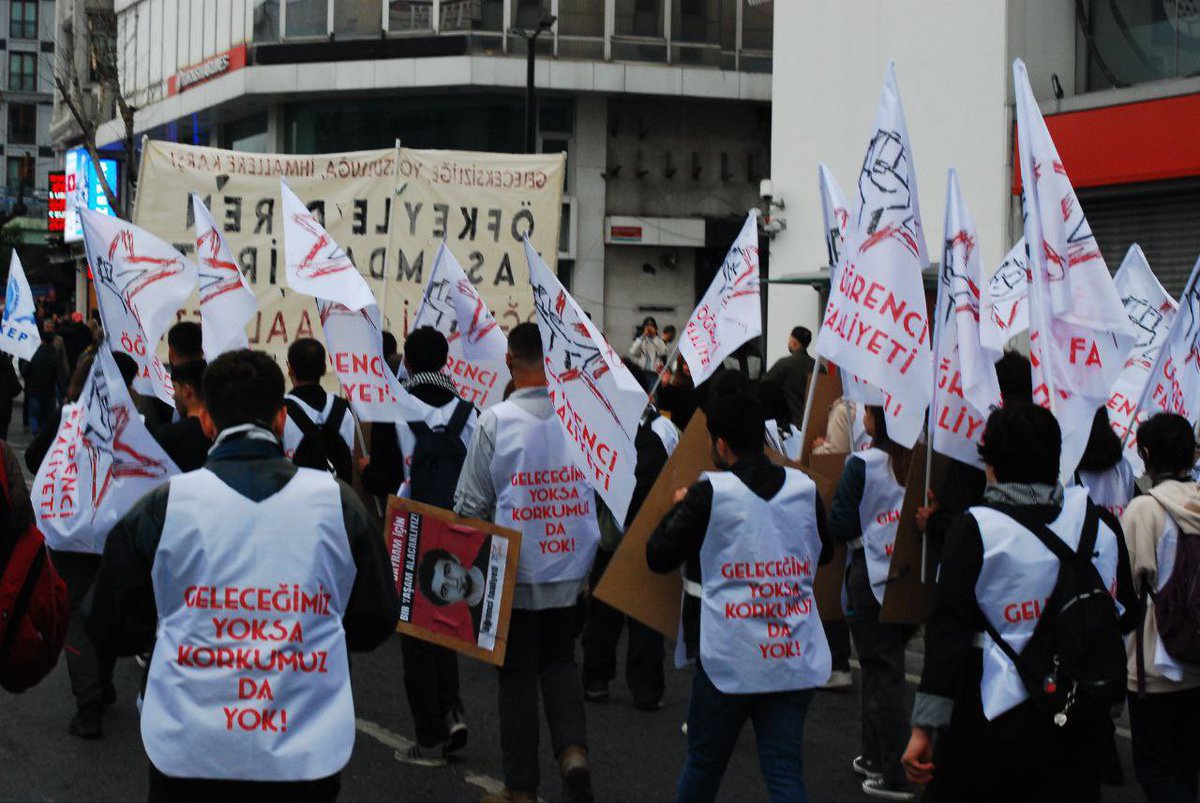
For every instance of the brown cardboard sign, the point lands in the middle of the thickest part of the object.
(828, 390)
(826, 471)
(906, 600)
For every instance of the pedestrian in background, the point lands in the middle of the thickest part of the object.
(793, 373)
(648, 351)
(45, 383)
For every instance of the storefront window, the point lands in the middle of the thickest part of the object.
(307, 18)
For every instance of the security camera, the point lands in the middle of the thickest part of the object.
(766, 189)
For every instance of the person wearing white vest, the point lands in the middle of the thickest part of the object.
(749, 538)
(306, 366)
(1103, 469)
(1164, 694)
(865, 515)
(252, 578)
(518, 458)
(993, 743)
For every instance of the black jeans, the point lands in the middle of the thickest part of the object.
(838, 636)
(90, 668)
(644, 658)
(540, 652)
(165, 789)
(1166, 744)
(431, 685)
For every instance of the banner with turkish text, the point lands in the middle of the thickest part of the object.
(354, 348)
(19, 335)
(1174, 383)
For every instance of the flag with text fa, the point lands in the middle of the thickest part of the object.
(1174, 384)
(477, 343)
(101, 461)
(730, 313)
(875, 322)
(354, 342)
(315, 264)
(835, 213)
(19, 335)
(1151, 311)
(1079, 334)
(227, 303)
(967, 388)
(1006, 314)
(597, 400)
(141, 284)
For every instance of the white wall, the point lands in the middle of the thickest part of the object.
(829, 61)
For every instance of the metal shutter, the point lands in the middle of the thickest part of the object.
(1164, 218)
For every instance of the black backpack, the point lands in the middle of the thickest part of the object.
(1074, 663)
(438, 457)
(322, 447)
(1176, 607)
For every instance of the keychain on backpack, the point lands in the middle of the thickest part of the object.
(1060, 719)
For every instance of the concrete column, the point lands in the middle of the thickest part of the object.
(589, 162)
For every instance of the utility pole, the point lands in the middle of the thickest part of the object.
(544, 24)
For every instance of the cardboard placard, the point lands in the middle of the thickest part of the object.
(826, 471)
(828, 390)
(906, 600)
(434, 554)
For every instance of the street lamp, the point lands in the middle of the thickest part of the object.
(544, 24)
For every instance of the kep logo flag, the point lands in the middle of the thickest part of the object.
(730, 312)
(101, 461)
(227, 302)
(1174, 384)
(967, 388)
(453, 306)
(141, 283)
(316, 265)
(19, 335)
(1151, 311)
(598, 402)
(875, 323)
(835, 212)
(1079, 332)
(1006, 313)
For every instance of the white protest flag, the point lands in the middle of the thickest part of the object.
(1078, 331)
(835, 212)
(452, 305)
(730, 312)
(19, 335)
(875, 322)
(141, 283)
(1151, 311)
(597, 400)
(316, 265)
(227, 303)
(1174, 383)
(967, 388)
(1005, 313)
(102, 460)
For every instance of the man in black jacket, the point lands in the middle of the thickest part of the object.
(184, 440)
(285, 550)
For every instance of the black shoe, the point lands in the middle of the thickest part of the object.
(87, 724)
(596, 691)
(458, 733)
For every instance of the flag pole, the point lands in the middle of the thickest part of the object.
(387, 268)
(937, 340)
(672, 354)
(808, 402)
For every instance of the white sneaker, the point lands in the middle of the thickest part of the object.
(683, 729)
(875, 787)
(839, 679)
(430, 757)
(860, 767)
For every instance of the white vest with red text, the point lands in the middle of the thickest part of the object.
(860, 439)
(759, 626)
(251, 597)
(879, 517)
(1016, 579)
(433, 417)
(541, 493)
(1111, 489)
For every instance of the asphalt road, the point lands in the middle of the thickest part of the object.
(636, 756)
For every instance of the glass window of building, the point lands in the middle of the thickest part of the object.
(15, 166)
(356, 19)
(22, 72)
(22, 19)
(266, 20)
(417, 15)
(1136, 41)
(22, 124)
(639, 18)
(581, 29)
(306, 18)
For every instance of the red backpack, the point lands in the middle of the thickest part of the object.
(34, 606)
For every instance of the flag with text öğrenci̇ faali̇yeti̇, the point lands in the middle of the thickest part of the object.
(101, 461)
(19, 335)
(1006, 314)
(1151, 311)
(316, 265)
(452, 305)
(875, 322)
(141, 283)
(730, 313)
(597, 400)
(1174, 383)
(1079, 333)
(227, 302)
(966, 389)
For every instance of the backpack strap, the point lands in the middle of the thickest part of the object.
(1140, 648)
(298, 416)
(462, 413)
(337, 414)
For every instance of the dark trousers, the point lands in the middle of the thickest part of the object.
(90, 668)
(41, 413)
(540, 652)
(644, 658)
(1166, 744)
(880, 648)
(431, 685)
(714, 721)
(165, 789)
(838, 636)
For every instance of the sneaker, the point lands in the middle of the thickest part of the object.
(865, 769)
(87, 722)
(683, 729)
(596, 691)
(839, 680)
(876, 788)
(576, 775)
(458, 733)
(427, 757)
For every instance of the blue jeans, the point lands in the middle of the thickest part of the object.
(714, 721)
(41, 413)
